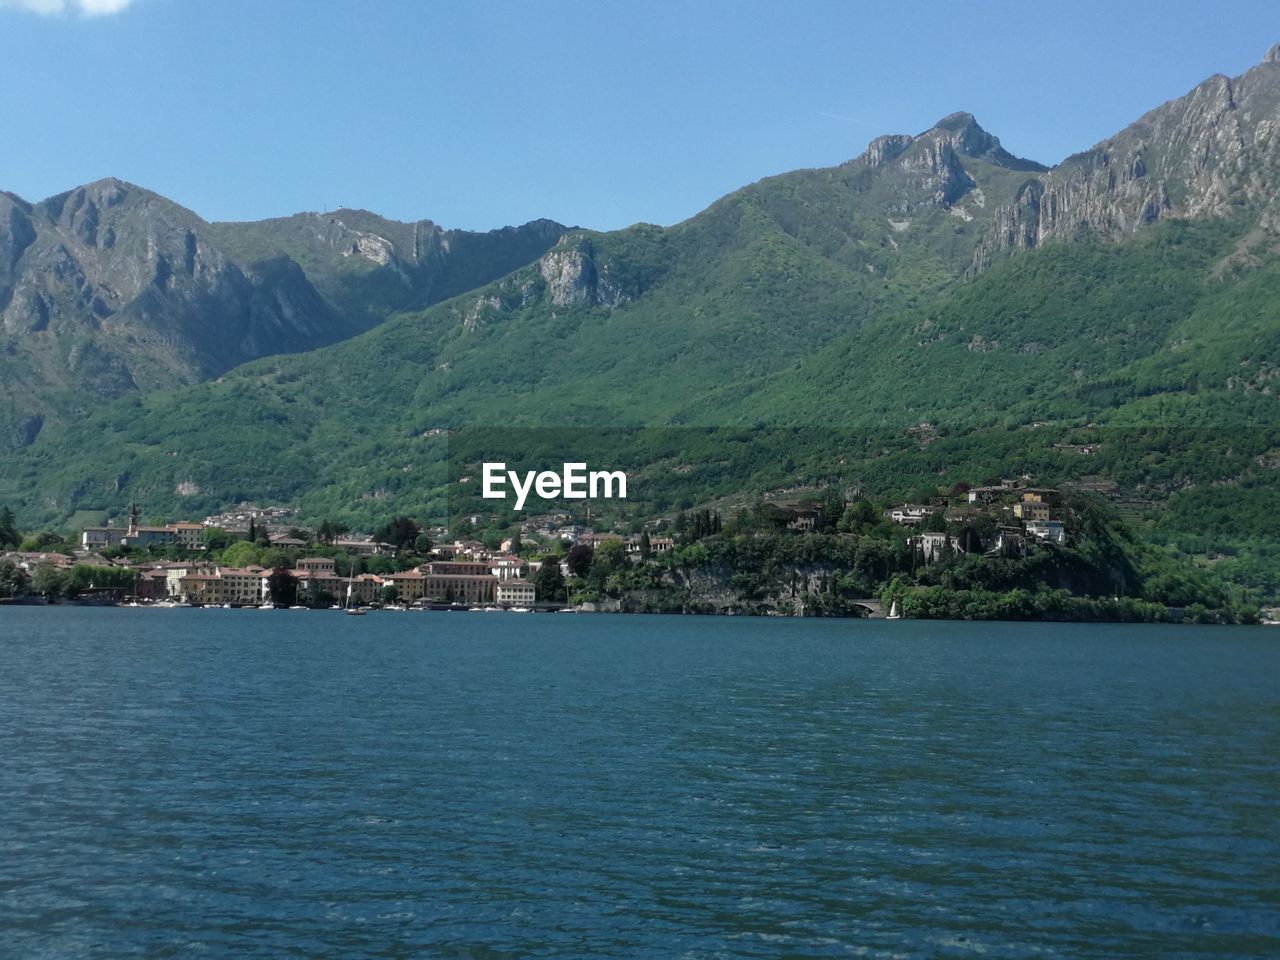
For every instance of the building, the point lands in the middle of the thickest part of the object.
(187, 536)
(986, 494)
(150, 537)
(152, 585)
(1010, 542)
(1052, 531)
(102, 538)
(910, 514)
(805, 521)
(1031, 510)
(516, 593)
(594, 540)
(934, 546)
(410, 585)
(240, 586)
(508, 567)
(364, 548)
(174, 572)
(316, 565)
(1040, 495)
(451, 581)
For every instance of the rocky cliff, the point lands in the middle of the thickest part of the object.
(1212, 153)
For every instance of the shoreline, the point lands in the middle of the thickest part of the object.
(438, 608)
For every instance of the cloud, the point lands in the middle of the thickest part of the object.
(85, 8)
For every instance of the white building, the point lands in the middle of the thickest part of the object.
(1052, 531)
(933, 545)
(910, 514)
(516, 593)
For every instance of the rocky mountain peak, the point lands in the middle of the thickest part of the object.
(963, 134)
(1198, 156)
(955, 135)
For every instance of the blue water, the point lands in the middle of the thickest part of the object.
(188, 783)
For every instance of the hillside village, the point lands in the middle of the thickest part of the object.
(819, 554)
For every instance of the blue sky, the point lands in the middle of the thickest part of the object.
(600, 113)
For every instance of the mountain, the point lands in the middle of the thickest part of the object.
(110, 289)
(368, 267)
(1212, 153)
(877, 324)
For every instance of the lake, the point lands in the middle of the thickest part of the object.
(188, 783)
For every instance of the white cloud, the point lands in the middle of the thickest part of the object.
(85, 8)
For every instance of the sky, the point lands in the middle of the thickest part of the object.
(599, 113)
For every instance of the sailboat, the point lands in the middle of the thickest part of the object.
(349, 609)
(893, 612)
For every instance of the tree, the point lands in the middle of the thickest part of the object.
(14, 581)
(282, 588)
(253, 531)
(858, 517)
(422, 545)
(215, 538)
(9, 536)
(549, 581)
(578, 559)
(40, 542)
(611, 555)
(240, 554)
(516, 543)
(330, 530)
(390, 593)
(400, 532)
(832, 508)
(646, 545)
(49, 581)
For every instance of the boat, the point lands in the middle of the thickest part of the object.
(893, 612)
(347, 608)
(518, 610)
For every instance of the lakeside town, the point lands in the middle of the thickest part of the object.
(1005, 549)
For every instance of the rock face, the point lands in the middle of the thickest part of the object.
(110, 288)
(573, 277)
(1210, 153)
(930, 170)
(570, 274)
